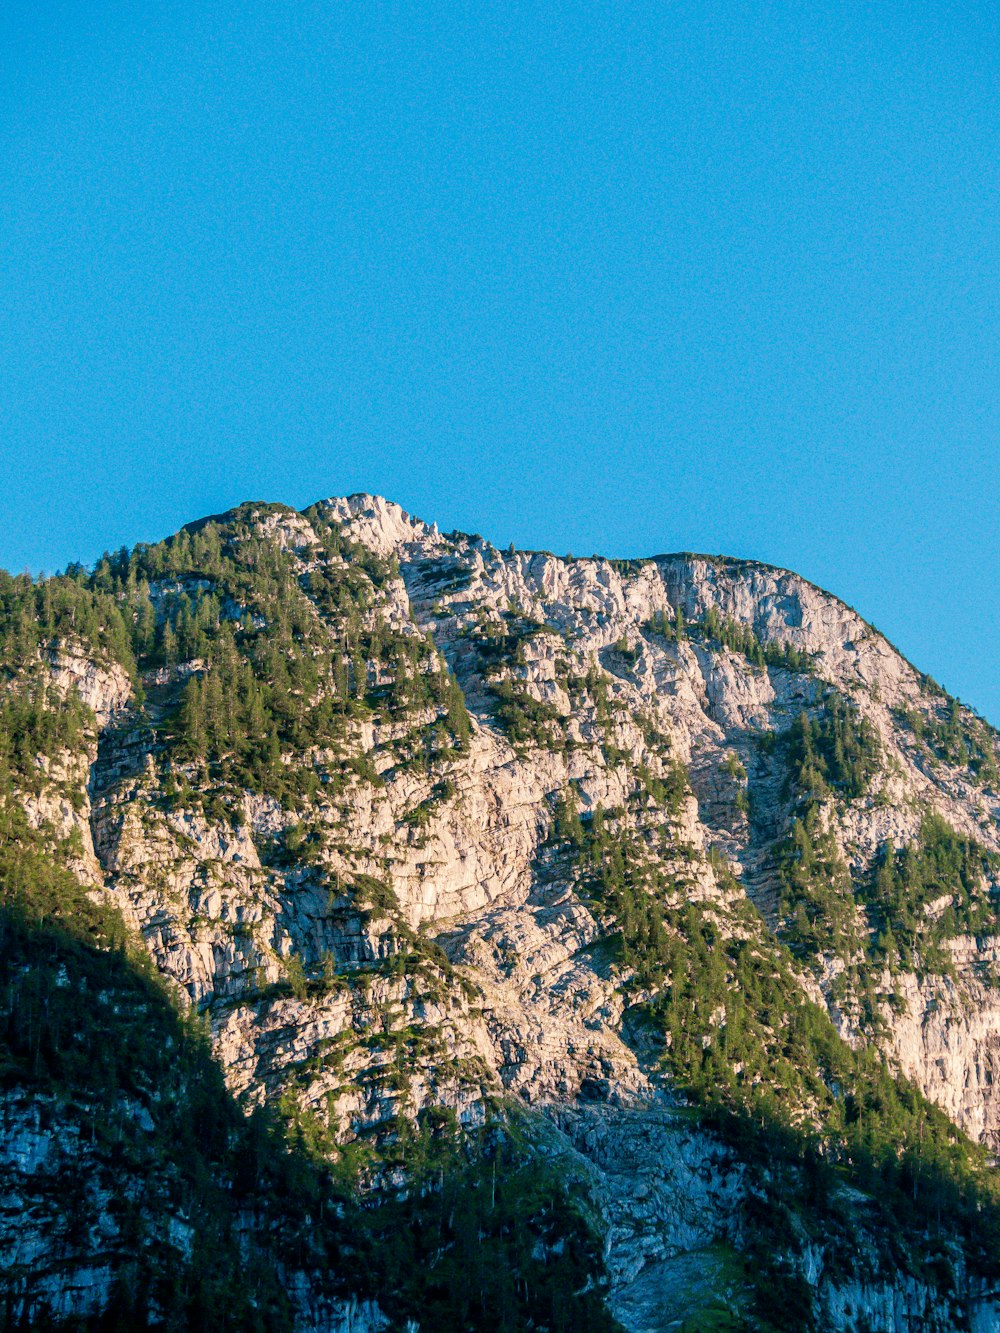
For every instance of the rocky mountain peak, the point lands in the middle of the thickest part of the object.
(380, 524)
(663, 892)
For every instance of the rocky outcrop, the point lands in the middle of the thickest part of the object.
(104, 687)
(433, 950)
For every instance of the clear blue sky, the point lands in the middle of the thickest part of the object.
(626, 278)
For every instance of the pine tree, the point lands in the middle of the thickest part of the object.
(168, 645)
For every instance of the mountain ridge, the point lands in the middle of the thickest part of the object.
(682, 862)
(370, 499)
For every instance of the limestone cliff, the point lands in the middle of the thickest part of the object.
(424, 829)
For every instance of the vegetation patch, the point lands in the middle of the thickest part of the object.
(526, 720)
(953, 734)
(769, 1071)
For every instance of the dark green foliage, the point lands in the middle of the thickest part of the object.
(525, 719)
(485, 1235)
(817, 895)
(839, 753)
(36, 724)
(771, 1073)
(504, 645)
(88, 1030)
(660, 623)
(566, 824)
(35, 615)
(668, 789)
(592, 687)
(456, 716)
(738, 773)
(957, 736)
(228, 713)
(619, 881)
(281, 665)
(374, 896)
(626, 568)
(421, 815)
(669, 626)
(629, 655)
(730, 634)
(36, 887)
(939, 864)
(835, 751)
(488, 1237)
(742, 639)
(445, 576)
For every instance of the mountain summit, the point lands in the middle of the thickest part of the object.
(403, 933)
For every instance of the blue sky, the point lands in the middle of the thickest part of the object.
(591, 277)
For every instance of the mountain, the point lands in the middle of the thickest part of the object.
(402, 933)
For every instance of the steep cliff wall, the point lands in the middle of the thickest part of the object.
(427, 831)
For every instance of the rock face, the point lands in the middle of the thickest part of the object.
(407, 930)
